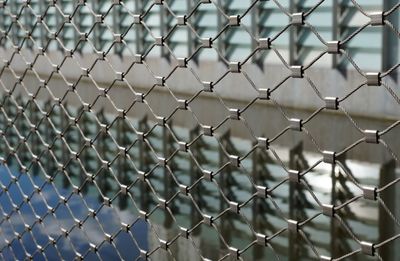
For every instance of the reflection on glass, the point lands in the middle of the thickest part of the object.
(104, 194)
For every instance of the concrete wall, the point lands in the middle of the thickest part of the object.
(369, 101)
(371, 107)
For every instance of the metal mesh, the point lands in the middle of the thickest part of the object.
(179, 113)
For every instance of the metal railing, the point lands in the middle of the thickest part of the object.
(117, 142)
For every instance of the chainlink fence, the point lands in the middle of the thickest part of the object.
(199, 130)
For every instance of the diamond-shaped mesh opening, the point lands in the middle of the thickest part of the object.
(221, 130)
